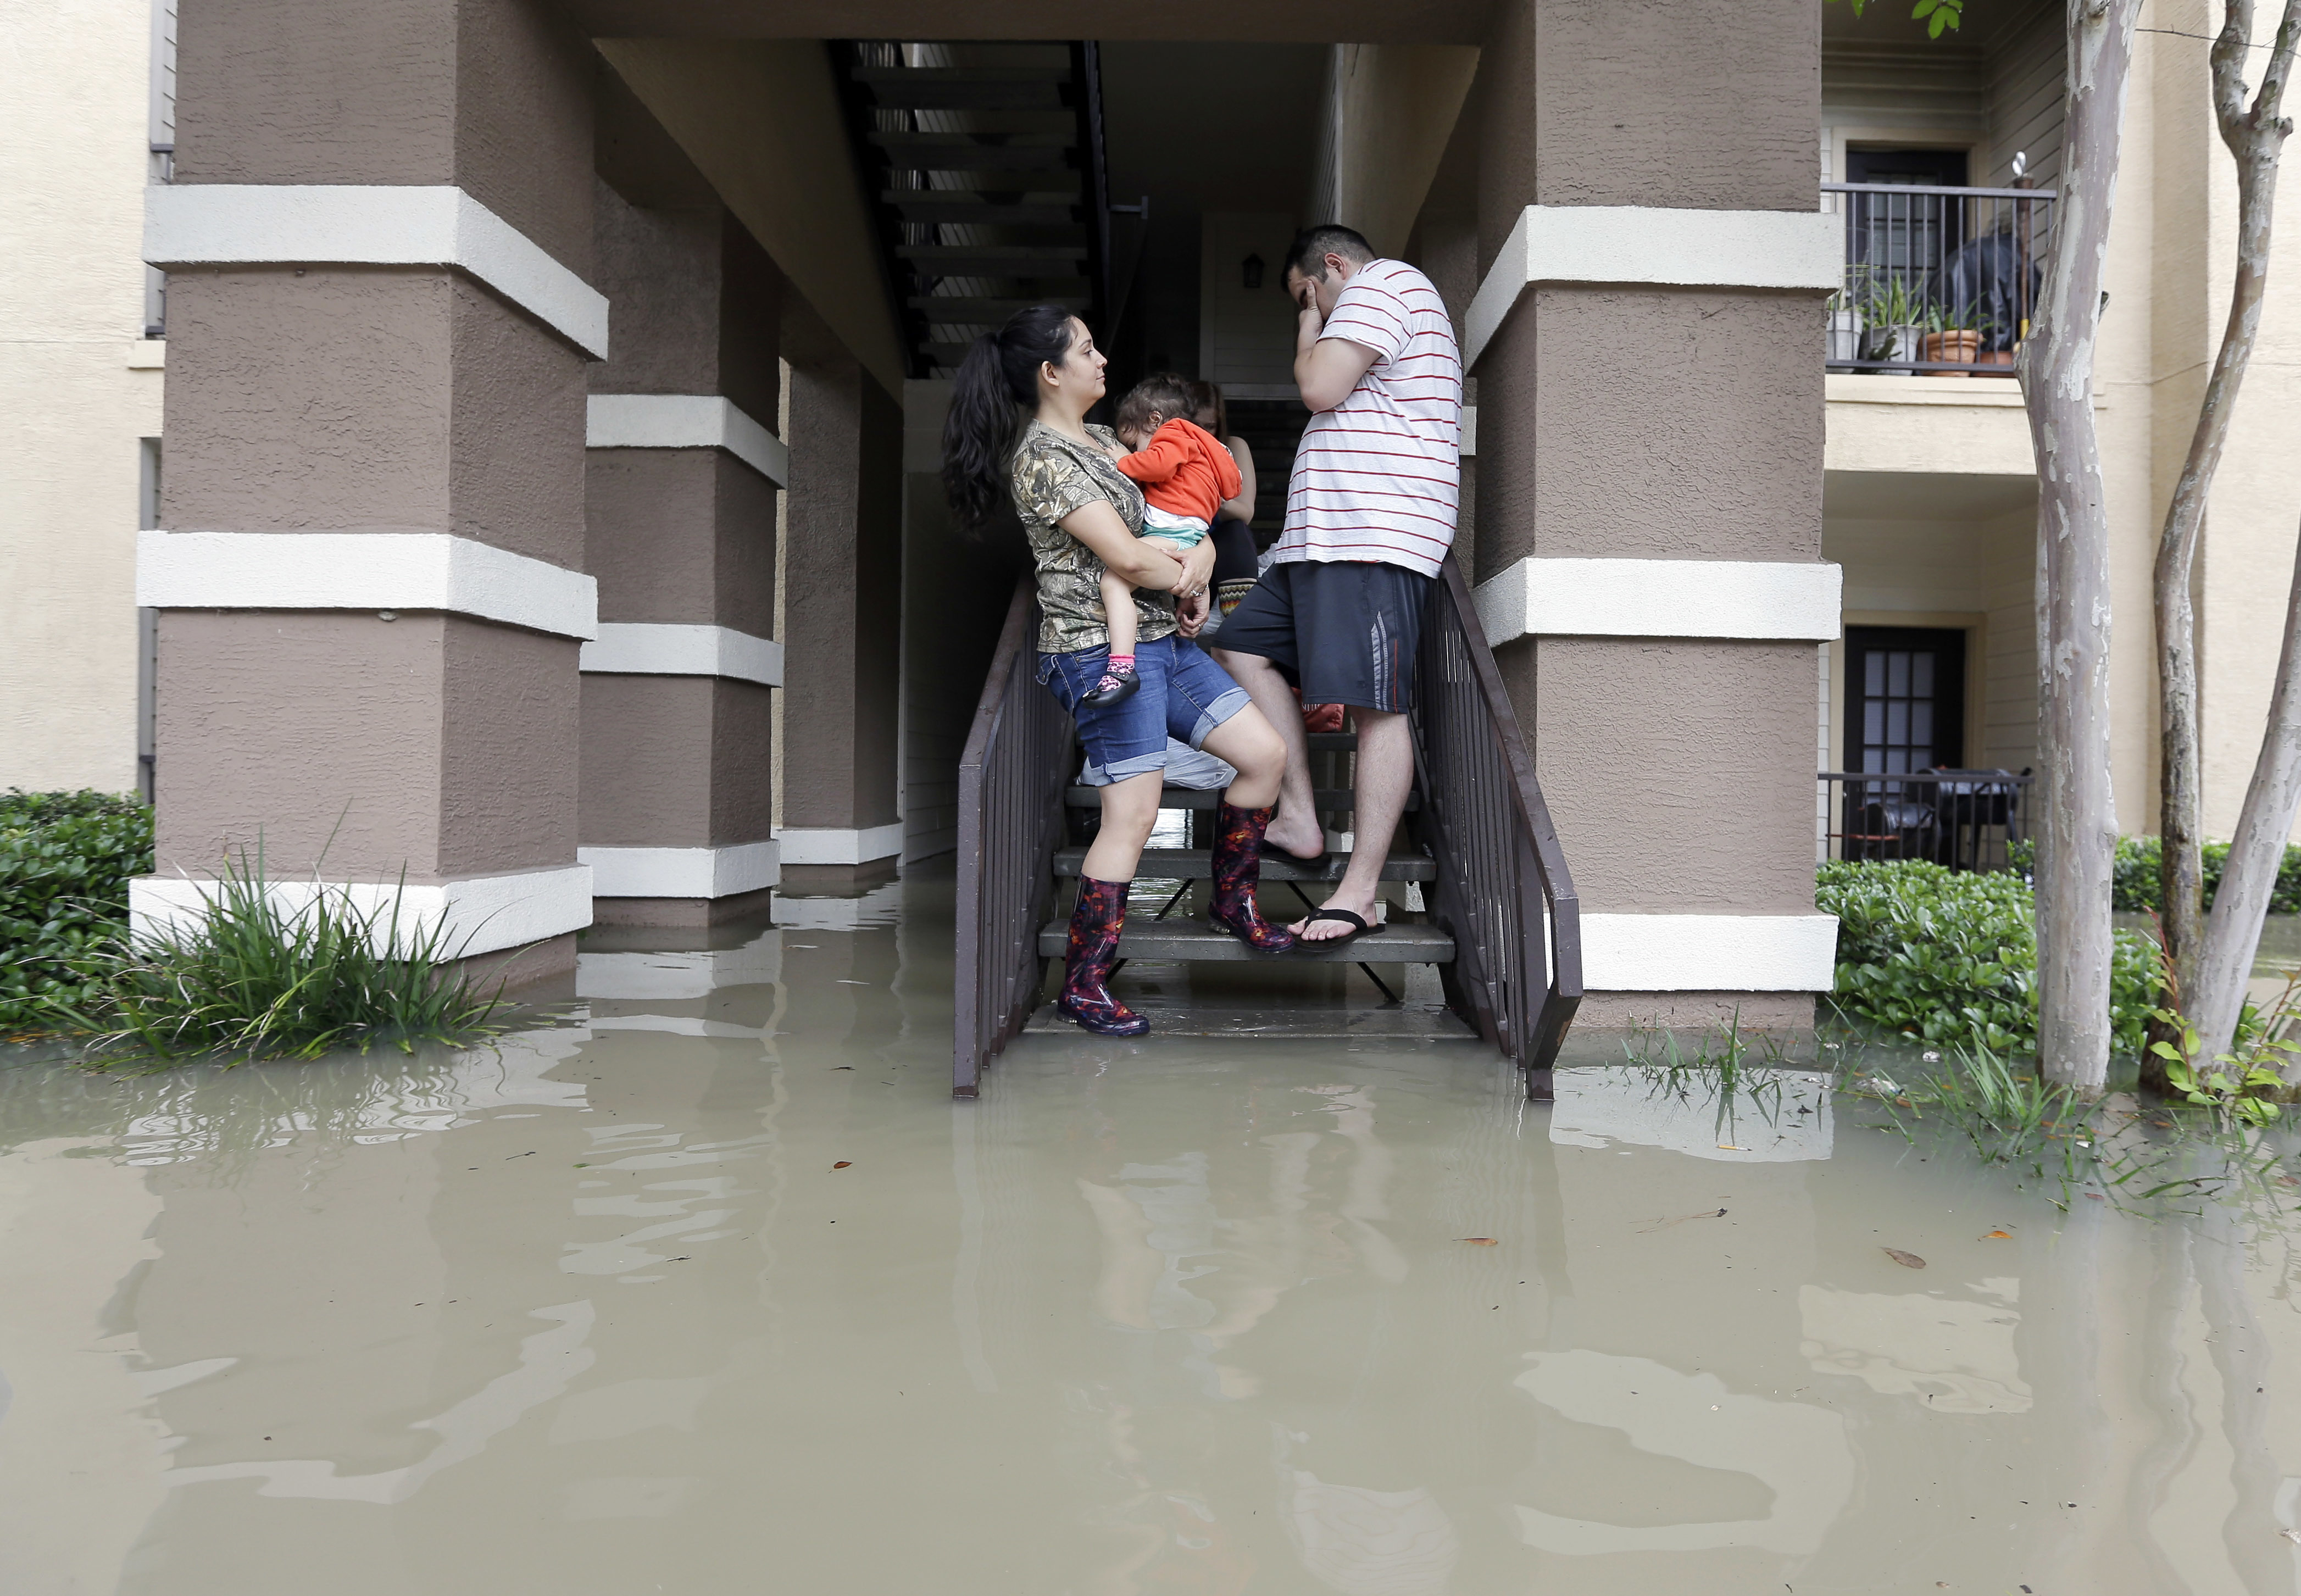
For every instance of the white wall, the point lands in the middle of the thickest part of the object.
(1246, 337)
(74, 122)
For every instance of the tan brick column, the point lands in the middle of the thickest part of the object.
(684, 467)
(1650, 457)
(843, 617)
(371, 577)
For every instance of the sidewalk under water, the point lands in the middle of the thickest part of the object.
(715, 1289)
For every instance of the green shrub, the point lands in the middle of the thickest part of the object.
(2133, 876)
(271, 974)
(1950, 957)
(65, 858)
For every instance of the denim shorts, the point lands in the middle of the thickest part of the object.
(1185, 694)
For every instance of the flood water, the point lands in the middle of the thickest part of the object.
(715, 1289)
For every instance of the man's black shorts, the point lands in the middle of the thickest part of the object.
(1343, 632)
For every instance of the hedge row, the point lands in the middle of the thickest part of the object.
(2133, 878)
(1947, 957)
(66, 859)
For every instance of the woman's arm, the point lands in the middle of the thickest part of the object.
(1243, 507)
(1098, 525)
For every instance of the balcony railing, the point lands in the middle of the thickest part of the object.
(1965, 819)
(1938, 281)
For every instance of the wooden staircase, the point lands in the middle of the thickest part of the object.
(1498, 916)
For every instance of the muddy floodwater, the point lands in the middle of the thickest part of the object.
(713, 1288)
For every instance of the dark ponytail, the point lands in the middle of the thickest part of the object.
(997, 384)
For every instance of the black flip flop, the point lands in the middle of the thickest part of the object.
(1319, 861)
(1347, 918)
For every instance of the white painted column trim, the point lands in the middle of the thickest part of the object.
(1652, 243)
(1709, 953)
(1470, 431)
(362, 571)
(682, 872)
(652, 649)
(1768, 600)
(225, 224)
(840, 845)
(481, 913)
(685, 421)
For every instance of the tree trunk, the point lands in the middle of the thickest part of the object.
(2077, 840)
(2254, 136)
(2220, 954)
(2272, 801)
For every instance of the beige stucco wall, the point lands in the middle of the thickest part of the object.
(73, 135)
(2172, 248)
(2250, 529)
(1393, 107)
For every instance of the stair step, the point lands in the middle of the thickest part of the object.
(953, 205)
(1016, 72)
(1179, 940)
(994, 260)
(971, 311)
(1197, 865)
(956, 89)
(1327, 798)
(1057, 145)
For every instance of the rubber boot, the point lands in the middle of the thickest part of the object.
(1238, 869)
(1093, 952)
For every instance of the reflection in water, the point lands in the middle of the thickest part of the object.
(716, 1280)
(1796, 1450)
(1956, 1356)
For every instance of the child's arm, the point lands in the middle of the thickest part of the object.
(1227, 479)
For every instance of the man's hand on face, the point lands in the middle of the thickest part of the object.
(1306, 303)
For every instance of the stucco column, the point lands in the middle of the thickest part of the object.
(684, 468)
(371, 575)
(1646, 339)
(842, 614)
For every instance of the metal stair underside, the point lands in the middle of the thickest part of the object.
(984, 165)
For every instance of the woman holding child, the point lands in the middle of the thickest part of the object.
(1017, 429)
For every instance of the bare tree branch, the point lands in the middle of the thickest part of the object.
(2256, 135)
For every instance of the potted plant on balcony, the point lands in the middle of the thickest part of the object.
(1895, 319)
(1953, 337)
(1843, 319)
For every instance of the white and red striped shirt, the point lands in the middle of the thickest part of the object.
(1377, 477)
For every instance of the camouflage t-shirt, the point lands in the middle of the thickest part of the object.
(1054, 476)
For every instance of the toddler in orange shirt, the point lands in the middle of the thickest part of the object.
(1186, 474)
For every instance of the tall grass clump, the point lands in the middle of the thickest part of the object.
(1951, 956)
(65, 860)
(264, 973)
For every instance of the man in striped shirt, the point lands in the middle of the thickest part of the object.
(1369, 517)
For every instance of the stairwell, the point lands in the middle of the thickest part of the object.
(1498, 917)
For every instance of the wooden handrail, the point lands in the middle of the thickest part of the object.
(1010, 783)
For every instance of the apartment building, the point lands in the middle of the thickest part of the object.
(552, 390)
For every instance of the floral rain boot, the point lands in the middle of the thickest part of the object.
(1093, 952)
(1238, 868)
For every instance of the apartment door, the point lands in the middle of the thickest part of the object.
(1904, 698)
(1905, 239)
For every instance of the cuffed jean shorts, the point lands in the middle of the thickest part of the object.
(1185, 694)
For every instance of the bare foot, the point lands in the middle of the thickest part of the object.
(1304, 842)
(1327, 931)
